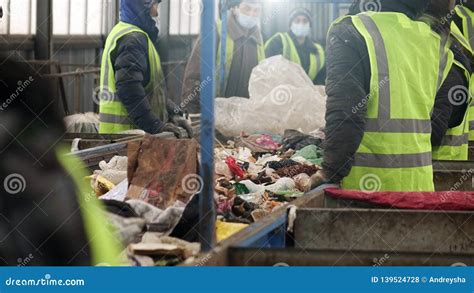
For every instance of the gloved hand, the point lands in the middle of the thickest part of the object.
(172, 128)
(318, 179)
(173, 109)
(181, 122)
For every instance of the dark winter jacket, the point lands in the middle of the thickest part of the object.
(243, 62)
(348, 83)
(40, 218)
(275, 47)
(132, 68)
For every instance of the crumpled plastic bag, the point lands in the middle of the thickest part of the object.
(281, 97)
(82, 123)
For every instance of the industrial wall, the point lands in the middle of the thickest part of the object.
(174, 47)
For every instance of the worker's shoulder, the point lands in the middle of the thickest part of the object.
(133, 39)
(344, 30)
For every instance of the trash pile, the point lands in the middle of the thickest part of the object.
(257, 174)
(152, 194)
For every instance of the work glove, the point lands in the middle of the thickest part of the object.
(318, 179)
(172, 128)
(183, 123)
(173, 109)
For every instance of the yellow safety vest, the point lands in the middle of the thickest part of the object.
(455, 144)
(317, 61)
(467, 30)
(104, 245)
(114, 116)
(395, 152)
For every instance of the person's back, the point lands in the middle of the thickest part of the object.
(40, 222)
(384, 70)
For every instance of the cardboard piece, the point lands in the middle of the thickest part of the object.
(160, 171)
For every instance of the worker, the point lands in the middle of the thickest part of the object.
(384, 70)
(132, 90)
(243, 47)
(454, 145)
(298, 46)
(464, 21)
(48, 218)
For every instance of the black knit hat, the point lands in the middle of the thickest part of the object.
(301, 12)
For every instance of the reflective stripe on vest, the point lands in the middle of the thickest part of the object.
(229, 58)
(455, 144)
(471, 109)
(317, 61)
(458, 35)
(396, 147)
(467, 17)
(113, 114)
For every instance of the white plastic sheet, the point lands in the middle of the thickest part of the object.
(281, 97)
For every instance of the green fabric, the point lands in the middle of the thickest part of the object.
(241, 189)
(113, 114)
(311, 153)
(317, 62)
(105, 247)
(229, 58)
(395, 151)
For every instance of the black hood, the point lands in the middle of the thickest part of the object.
(411, 8)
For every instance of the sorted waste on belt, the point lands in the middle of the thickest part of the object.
(255, 175)
(152, 195)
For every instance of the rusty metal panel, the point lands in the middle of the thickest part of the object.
(302, 257)
(453, 176)
(385, 230)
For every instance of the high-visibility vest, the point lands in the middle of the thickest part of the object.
(114, 116)
(105, 247)
(317, 61)
(467, 30)
(467, 17)
(455, 144)
(409, 62)
(229, 58)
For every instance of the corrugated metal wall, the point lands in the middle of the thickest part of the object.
(175, 50)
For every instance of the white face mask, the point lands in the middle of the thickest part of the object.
(301, 30)
(247, 21)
